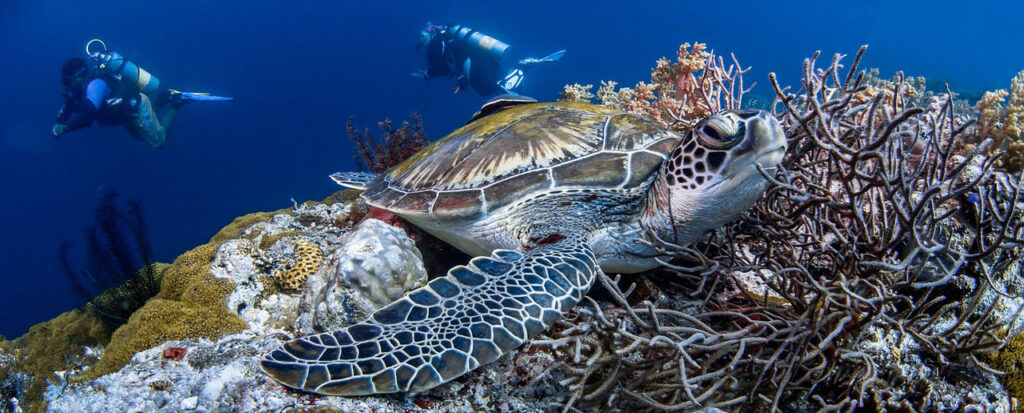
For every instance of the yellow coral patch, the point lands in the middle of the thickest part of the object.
(1011, 361)
(293, 276)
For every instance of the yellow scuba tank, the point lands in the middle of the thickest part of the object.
(112, 63)
(474, 39)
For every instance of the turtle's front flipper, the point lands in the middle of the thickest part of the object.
(441, 331)
(355, 180)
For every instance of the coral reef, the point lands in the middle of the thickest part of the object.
(882, 271)
(64, 343)
(1004, 125)
(1010, 359)
(380, 262)
(120, 275)
(375, 266)
(885, 261)
(13, 383)
(223, 376)
(680, 93)
(190, 305)
(307, 258)
(396, 146)
(576, 93)
(221, 373)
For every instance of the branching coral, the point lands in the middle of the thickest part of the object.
(1004, 125)
(577, 93)
(680, 93)
(396, 146)
(875, 227)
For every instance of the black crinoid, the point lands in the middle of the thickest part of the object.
(119, 275)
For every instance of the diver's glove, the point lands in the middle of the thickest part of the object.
(58, 130)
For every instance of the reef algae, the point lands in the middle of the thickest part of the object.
(1010, 360)
(222, 373)
(190, 305)
(60, 344)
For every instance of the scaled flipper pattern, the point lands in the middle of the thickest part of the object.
(441, 331)
(354, 180)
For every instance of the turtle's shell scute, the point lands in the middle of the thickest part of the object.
(520, 150)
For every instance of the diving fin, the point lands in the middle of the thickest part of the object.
(549, 58)
(182, 97)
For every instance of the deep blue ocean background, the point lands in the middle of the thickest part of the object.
(300, 69)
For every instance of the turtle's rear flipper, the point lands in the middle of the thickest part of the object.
(441, 331)
(354, 180)
(178, 96)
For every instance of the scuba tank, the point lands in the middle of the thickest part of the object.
(472, 39)
(113, 64)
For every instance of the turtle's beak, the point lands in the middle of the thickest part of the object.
(771, 138)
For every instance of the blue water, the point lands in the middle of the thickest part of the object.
(299, 72)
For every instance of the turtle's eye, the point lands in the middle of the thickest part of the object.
(721, 131)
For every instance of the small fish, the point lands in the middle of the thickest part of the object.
(973, 198)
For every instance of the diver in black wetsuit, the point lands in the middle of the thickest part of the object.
(475, 59)
(115, 91)
(94, 96)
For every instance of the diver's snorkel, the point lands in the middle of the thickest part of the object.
(112, 63)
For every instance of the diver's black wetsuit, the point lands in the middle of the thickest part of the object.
(94, 99)
(106, 100)
(448, 58)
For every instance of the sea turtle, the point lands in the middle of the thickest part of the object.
(544, 195)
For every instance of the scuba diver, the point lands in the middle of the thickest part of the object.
(115, 91)
(474, 58)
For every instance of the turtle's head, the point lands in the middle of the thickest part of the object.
(712, 176)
